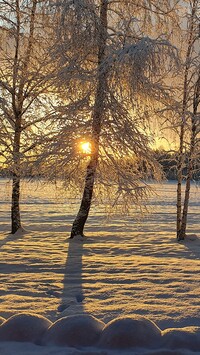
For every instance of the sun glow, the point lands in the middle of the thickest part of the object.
(86, 147)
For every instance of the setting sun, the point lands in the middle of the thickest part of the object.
(86, 147)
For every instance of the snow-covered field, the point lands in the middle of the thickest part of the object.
(124, 268)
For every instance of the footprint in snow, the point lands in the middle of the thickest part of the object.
(78, 299)
(53, 293)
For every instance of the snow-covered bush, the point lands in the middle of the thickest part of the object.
(129, 332)
(74, 331)
(24, 328)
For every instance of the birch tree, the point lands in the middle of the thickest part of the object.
(119, 69)
(192, 155)
(190, 113)
(26, 81)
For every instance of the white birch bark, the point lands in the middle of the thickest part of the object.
(191, 158)
(26, 73)
(182, 212)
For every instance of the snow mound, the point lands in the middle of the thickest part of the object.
(181, 338)
(74, 331)
(2, 320)
(24, 328)
(123, 333)
(77, 331)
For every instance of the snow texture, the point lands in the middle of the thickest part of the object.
(124, 268)
(74, 331)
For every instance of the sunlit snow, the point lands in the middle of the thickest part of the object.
(124, 268)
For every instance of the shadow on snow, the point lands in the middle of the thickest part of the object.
(72, 294)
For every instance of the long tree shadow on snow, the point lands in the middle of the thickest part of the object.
(72, 294)
(9, 238)
(192, 246)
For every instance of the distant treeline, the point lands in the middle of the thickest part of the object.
(168, 162)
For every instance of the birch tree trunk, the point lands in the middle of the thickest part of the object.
(15, 206)
(196, 101)
(81, 218)
(181, 161)
(181, 156)
(17, 106)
